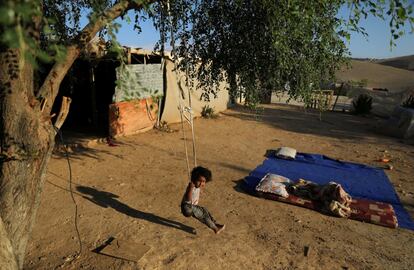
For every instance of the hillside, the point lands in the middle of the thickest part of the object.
(403, 62)
(378, 75)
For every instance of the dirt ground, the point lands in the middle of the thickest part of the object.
(132, 192)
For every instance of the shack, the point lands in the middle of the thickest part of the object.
(110, 99)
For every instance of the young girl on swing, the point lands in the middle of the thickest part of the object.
(189, 203)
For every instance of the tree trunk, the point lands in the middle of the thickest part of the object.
(7, 258)
(265, 96)
(27, 136)
(26, 144)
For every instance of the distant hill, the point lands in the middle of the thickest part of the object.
(366, 59)
(378, 75)
(403, 62)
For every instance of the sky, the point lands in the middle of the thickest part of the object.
(376, 45)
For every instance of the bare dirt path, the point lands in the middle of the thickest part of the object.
(133, 192)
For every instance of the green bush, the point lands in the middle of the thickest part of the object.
(208, 112)
(409, 102)
(361, 83)
(363, 104)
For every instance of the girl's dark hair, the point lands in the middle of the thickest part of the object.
(200, 171)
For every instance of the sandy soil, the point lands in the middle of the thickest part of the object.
(132, 192)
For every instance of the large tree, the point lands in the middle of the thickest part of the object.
(260, 45)
(27, 135)
(256, 45)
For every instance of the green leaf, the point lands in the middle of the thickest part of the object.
(401, 13)
(7, 16)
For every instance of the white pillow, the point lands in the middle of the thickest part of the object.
(286, 153)
(275, 184)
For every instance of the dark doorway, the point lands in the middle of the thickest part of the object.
(91, 86)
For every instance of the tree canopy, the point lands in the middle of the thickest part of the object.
(256, 45)
(260, 45)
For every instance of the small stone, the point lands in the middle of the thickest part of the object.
(68, 258)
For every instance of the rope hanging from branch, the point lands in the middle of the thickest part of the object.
(186, 112)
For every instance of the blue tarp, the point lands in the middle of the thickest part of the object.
(360, 181)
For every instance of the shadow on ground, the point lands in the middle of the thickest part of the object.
(107, 199)
(76, 147)
(295, 119)
(239, 186)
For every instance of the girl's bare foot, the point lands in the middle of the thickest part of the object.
(220, 228)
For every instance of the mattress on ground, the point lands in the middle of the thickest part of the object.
(358, 180)
(363, 210)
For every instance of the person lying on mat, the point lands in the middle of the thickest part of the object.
(189, 203)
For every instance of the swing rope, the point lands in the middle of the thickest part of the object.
(184, 110)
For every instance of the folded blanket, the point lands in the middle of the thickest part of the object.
(330, 198)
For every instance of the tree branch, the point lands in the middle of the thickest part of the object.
(50, 88)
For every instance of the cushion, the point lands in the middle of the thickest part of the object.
(286, 153)
(274, 184)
